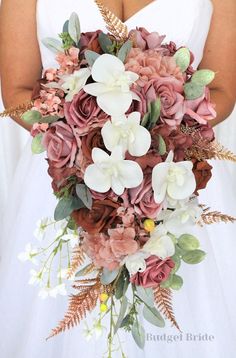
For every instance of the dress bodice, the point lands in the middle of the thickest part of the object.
(186, 22)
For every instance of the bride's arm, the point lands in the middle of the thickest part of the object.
(220, 56)
(20, 62)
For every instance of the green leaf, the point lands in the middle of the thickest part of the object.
(123, 309)
(161, 145)
(182, 58)
(153, 316)
(177, 262)
(66, 206)
(105, 42)
(108, 276)
(178, 251)
(122, 285)
(36, 145)
(138, 334)
(193, 90)
(177, 282)
(32, 116)
(145, 120)
(49, 119)
(167, 283)
(155, 113)
(66, 26)
(188, 242)
(53, 44)
(74, 28)
(124, 50)
(146, 295)
(84, 195)
(91, 57)
(203, 77)
(194, 257)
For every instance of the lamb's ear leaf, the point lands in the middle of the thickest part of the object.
(53, 44)
(36, 145)
(182, 58)
(74, 27)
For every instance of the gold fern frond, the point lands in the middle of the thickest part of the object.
(220, 152)
(79, 305)
(213, 217)
(163, 300)
(78, 258)
(17, 111)
(113, 24)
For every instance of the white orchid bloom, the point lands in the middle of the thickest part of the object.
(112, 172)
(74, 82)
(173, 179)
(136, 262)
(160, 244)
(112, 87)
(127, 132)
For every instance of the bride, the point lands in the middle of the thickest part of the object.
(205, 306)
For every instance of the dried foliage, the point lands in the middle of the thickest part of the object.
(163, 300)
(80, 304)
(17, 111)
(114, 25)
(212, 217)
(78, 258)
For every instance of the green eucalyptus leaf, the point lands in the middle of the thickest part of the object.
(122, 285)
(108, 276)
(177, 282)
(49, 119)
(146, 295)
(178, 251)
(91, 57)
(167, 283)
(66, 206)
(124, 50)
(74, 27)
(194, 257)
(193, 90)
(182, 58)
(32, 116)
(66, 26)
(155, 113)
(145, 120)
(161, 145)
(84, 195)
(123, 309)
(188, 242)
(53, 44)
(203, 77)
(177, 262)
(36, 145)
(153, 316)
(105, 42)
(138, 334)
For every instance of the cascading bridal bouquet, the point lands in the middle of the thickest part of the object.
(125, 122)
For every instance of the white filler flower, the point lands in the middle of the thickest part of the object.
(112, 87)
(73, 83)
(159, 244)
(136, 262)
(175, 179)
(127, 132)
(112, 172)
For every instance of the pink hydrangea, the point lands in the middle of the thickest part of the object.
(69, 62)
(50, 102)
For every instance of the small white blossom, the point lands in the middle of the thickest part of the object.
(160, 244)
(53, 291)
(72, 237)
(136, 262)
(41, 227)
(63, 274)
(74, 82)
(98, 329)
(29, 254)
(36, 277)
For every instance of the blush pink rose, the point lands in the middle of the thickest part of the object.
(157, 271)
(201, 109)
(84, 113)
(61, 145)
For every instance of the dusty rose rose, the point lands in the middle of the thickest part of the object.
(146, 161)
(146, 40)
(202, 172)
(157, 271)
(102, 215)
(91, 140)
(89, 41)
(142, 198)
(150, 64)
(61, 145)
(170, 91)
(201, 109)
(174, 139)
(69, 62)
(61, 176)
(84, 113)
(50, 101)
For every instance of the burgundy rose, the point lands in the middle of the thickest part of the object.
(61, 145)
(84, 113)
(91, 140)
(61, 176)
(156, 271)
(202, 172)
(89, 41)
(146, 40)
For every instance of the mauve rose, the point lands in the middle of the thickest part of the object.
(84, 113)
(146, 40)
(202, 172)
(102, 215)
(61, 145)
(201, 109)
(89, 41)
(60, 176)
(157, 271)
(170, 91)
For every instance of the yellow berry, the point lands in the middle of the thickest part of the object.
(149, 225)
(104, 297)
(103, 307)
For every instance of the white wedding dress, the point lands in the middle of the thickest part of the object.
(205, 305)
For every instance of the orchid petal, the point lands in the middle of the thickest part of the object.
(159, 181)
(142, 142)
(110, 136)
(98, 155)
(96, 180)
(131, 174)
(115, 102)
(95, 89)
(104, 66)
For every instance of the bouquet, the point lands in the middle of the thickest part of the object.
(125, 122)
